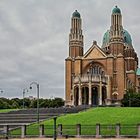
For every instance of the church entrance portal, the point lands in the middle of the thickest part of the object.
(85, 96)
(104, 95)
(94, 95)
(76, 96)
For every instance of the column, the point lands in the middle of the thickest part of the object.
(108, 88)
(41, 130)
(90, 100)
(73, 97)
(80, 94)
(80, 102)
(100, 91)
(23, 131)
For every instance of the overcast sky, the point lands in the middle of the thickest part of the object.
(34, 39)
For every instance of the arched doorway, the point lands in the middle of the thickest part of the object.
(85, 96)
(94, 95)
(104, 95)
(76, 96)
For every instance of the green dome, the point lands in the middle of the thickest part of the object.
(116, 10)
(106, 37)
(76, 14)
(126, 35)
(127, 38)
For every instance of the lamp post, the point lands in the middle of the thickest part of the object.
(1, 90)
(24, 90)
(55, 135)
(37, 85)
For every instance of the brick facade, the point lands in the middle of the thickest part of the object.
(102, 75)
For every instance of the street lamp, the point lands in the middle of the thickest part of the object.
(24, 90)
(1, 91)
(54, 128)
(37, 85)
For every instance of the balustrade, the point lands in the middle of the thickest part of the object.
(94, 78)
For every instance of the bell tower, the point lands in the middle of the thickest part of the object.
(116, 28)
(116, 33)
(75, 36)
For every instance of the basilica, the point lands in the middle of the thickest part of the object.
(103, 74)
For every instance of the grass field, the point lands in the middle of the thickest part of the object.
(103, 115)
(106, 116)
(6, 110)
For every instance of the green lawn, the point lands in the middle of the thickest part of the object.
(6, 110)
(103, 115)
(106, 116)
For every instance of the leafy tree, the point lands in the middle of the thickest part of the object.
(15, 104)
(1, 104)
(27, 102)
(33, 103)
(17, 100)
(59, 102)
(131, 99)
(6, 105)
(44, 103)
(18, 103)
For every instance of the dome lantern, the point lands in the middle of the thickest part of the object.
(76, 14)
(116, 10)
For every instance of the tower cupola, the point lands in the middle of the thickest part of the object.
(116, 29)
(116, 10)
(76, 14)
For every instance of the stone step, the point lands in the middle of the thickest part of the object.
(21, 118)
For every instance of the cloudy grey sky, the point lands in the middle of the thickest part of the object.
(34, 39)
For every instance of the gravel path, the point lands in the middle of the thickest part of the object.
(78, 139)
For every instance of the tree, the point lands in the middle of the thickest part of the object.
(27, 102)
(33, 103)
(44, 103)
(1, 104)
(58, 102)
(15, 104)
(18, 103)
(4, 103)
(131, 99)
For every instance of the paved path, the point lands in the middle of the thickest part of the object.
(78, 139)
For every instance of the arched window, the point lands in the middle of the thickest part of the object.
(93, 70)
(96, 70)
(100, 70)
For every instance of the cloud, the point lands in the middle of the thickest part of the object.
(34, 39)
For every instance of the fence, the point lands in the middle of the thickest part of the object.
(98, 130)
